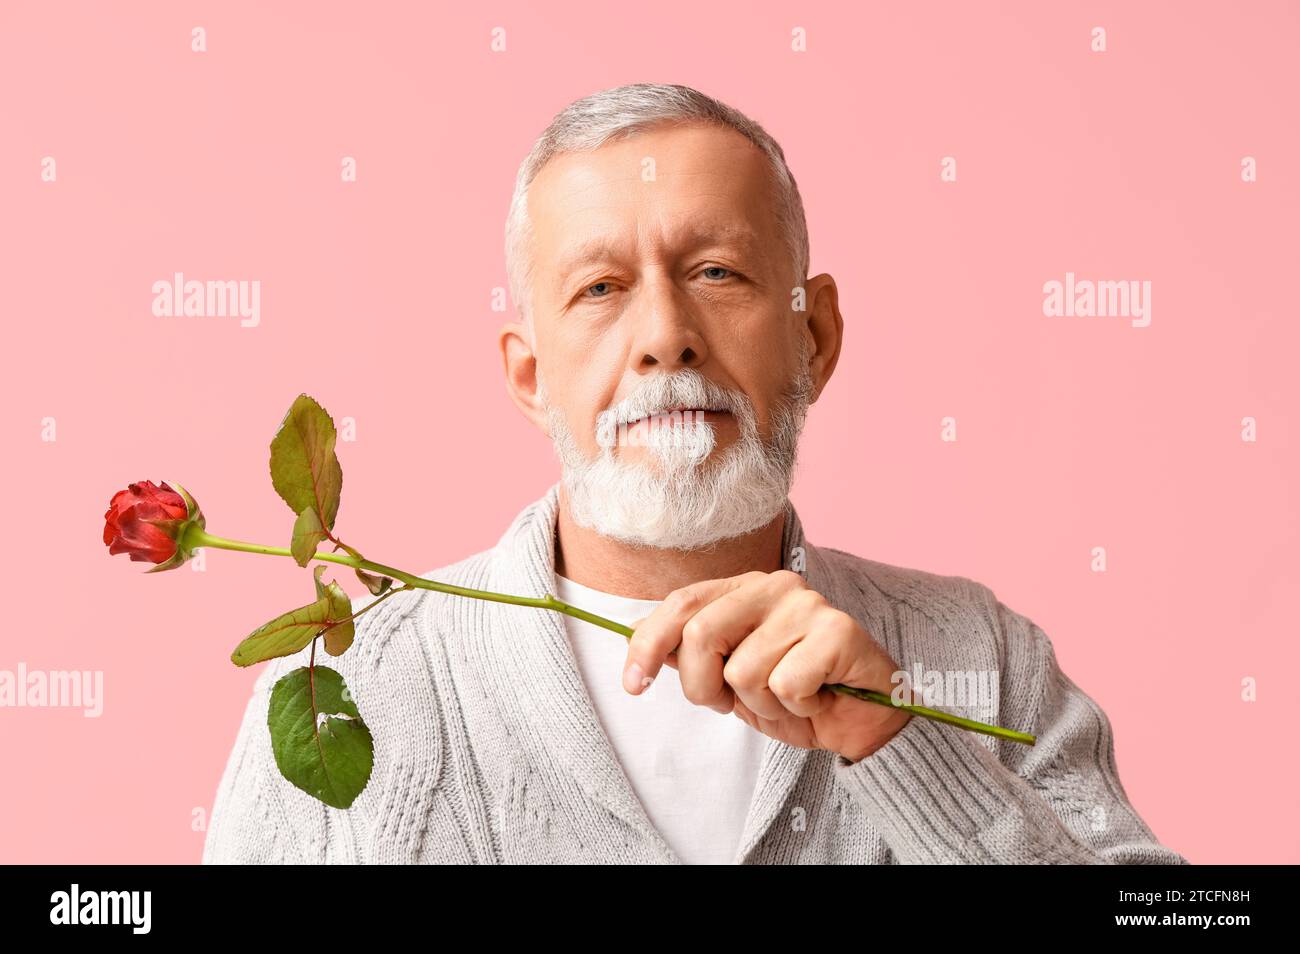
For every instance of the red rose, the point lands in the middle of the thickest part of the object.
(146, 521)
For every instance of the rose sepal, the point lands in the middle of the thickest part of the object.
(179, 530)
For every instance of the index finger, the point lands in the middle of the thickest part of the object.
(660, 633)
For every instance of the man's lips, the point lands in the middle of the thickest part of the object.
(697, 413)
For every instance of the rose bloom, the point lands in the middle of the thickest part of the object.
(126, 526)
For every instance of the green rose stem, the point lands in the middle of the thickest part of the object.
(196, 536)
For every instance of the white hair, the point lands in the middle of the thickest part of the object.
(619, 113)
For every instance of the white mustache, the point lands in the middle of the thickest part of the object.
(664, 393)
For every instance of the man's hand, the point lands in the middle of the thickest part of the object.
(765, 646)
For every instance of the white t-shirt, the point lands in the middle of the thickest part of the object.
(693, 769)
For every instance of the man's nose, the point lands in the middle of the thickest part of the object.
(665, 333)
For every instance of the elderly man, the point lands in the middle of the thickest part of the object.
(670, 342)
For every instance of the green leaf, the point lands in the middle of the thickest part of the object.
(321, 591)
(338, 637)
(307, 536)
(286, 634)
(304, 468)
(320, 743)
(377, 585)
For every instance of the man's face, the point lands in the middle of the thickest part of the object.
(634, 278)
(664, 290)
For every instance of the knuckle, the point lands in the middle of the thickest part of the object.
(840, 622)
(695, 631)
(789, 580)
(808, 601)
(740, 674)
(782, 686)
(683, 601)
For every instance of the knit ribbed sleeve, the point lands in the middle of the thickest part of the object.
(942, 795)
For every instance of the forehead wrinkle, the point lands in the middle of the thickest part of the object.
(567, 182)
(587, 181)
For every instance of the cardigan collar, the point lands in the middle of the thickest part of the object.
(534, 656)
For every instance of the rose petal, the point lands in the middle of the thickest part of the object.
(137, 537)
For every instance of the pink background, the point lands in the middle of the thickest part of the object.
(376, 298)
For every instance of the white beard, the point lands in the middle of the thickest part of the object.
(680, 499)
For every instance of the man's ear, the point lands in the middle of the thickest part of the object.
(520, 363)
(826, 325)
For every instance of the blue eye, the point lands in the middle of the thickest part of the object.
(719, 268)
(598, 285)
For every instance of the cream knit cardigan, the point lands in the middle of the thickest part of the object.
(488, 749)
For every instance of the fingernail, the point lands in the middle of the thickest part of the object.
(634, 678)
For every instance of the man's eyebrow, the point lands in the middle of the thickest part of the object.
(593, 250)
(589, 251)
